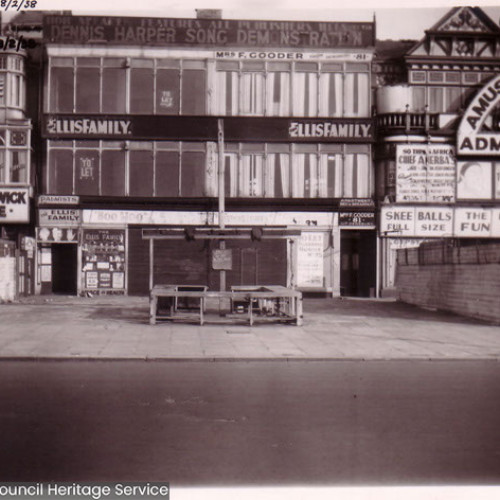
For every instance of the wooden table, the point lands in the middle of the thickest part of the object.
(286, 303)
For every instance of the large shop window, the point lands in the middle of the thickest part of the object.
(194, 88)
(356, 93)
(87, 77)
(298, 89)
(192, 173)
(61, 85)
(87, 171)
(167, 173)
(305, 172)
(141, 182)
(141, 86)
(168, 77)
(60, 172)
(114, 85)
(134, 168)
(127, 85)
(305, 90)
(113, 173)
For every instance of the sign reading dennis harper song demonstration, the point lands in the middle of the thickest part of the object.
(207, 32)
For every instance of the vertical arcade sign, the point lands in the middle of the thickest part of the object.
(473, 138)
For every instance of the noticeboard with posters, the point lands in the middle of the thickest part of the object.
(425, 173)
(103, 260)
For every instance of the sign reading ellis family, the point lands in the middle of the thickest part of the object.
(326, 129)
(474, 136)
(88, 126)
(206, 32)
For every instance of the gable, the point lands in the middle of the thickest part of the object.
(462, 32)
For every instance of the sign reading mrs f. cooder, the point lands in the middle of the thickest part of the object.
(472, 137)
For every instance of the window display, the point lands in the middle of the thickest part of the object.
(103, 260)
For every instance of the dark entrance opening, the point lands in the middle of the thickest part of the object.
(64, 269)
(358, 266)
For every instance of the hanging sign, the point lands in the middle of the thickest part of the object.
(222, 259)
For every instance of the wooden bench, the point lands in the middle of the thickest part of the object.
(274, 303)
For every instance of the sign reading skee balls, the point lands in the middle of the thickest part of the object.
(57, 235)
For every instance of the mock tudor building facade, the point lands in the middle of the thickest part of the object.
(439, 139)
(141, 115)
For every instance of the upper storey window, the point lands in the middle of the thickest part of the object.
(308, 89)
(14, 156)
(126, 85)
(12, 81)
(170, 86)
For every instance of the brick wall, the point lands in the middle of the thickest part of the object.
(461, 279)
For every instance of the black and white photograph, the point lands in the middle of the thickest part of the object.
(249, 250)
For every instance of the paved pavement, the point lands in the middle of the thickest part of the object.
(117, 327)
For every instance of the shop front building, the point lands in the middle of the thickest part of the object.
(17, 245)
(438, 141)
(149, 123)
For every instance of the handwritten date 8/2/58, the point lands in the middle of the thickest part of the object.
(18, 4)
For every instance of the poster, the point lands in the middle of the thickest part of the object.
(474, 180)
(310, 270)
(425, 173)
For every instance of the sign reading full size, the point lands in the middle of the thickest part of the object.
(206, 32)
(472, 138)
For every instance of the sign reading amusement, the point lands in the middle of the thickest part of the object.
(206, 32)
(474, 136)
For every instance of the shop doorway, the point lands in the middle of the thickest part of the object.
(358, 253)
(64, 269)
